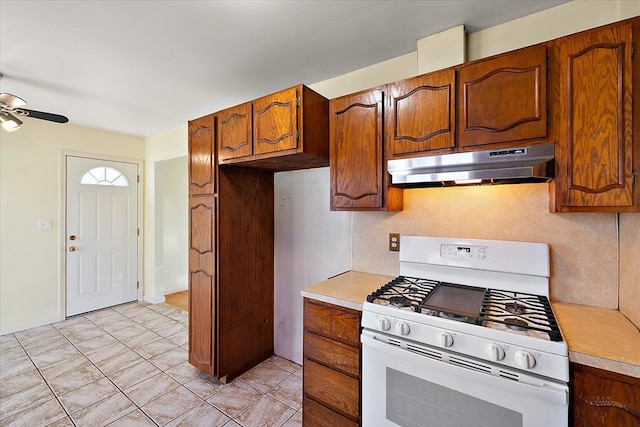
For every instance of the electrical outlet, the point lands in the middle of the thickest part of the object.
(394, 242)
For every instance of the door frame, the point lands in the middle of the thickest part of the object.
(63, 219)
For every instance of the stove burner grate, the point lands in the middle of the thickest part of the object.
(403, 292)
(520, 311)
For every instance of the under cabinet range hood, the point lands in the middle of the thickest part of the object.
(534, 163)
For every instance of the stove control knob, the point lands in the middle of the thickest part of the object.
(445, 339)
(495, 352)
(524, 359)
(402, 328)
(384, 324)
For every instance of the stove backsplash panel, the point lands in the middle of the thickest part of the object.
(584, 246)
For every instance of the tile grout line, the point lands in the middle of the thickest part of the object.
(139, 322)
(55, 396)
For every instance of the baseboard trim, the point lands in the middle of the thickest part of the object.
(154, 300)
(21, 326)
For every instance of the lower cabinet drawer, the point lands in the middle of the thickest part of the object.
(316, 415)
(333, 389)
(337, 323)
(331, 353)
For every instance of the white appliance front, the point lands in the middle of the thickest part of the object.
(429, 387)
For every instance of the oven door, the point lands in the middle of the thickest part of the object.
(424, 386)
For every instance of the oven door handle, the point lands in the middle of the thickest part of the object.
(550, 391)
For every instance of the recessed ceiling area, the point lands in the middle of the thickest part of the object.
(145, 67)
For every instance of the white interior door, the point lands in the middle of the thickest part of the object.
(101, 234)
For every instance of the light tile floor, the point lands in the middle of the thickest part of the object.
(127, 366)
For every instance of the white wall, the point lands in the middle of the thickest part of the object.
(303, 254)
(31, 188)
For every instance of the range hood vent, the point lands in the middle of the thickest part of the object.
(505, 166)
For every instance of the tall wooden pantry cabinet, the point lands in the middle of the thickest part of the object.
(230, 260)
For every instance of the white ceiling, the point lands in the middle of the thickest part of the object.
(145, 67)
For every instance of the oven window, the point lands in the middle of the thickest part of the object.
(413, 402)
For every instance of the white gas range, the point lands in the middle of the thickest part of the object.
(465, 336)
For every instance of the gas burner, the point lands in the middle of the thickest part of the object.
(515, 308)
(456, 317)
(516, 324)
(399, 301)
(450, 315)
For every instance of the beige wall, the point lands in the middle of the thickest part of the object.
(171, 224)
(569, 18)
(167, 145)
(31, 179)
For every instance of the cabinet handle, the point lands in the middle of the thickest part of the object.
(634, 178)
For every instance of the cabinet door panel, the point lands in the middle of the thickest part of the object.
(504, 98)
(201, 156)
(202, 283)
(234, 132)
(421, 114)
(275, 122)
(602, 398)
(595, 138)
(356, 151)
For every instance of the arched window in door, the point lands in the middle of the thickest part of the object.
(105, 175)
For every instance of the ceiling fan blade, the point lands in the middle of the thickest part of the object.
(45, 116)
(11, 101)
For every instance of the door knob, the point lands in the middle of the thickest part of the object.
(72, 237)
(72, 248)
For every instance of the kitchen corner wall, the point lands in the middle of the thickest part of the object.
(630, 267)
(594, 256)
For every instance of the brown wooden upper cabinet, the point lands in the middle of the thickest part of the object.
(421, 114)
(286, 130)
(233, 133)
(201, 156)
(358, 167)
(503, 98)
(591, 75)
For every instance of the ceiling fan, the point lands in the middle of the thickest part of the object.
(11, 107)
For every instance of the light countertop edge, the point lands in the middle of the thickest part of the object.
(349, 289)
(600, 337)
